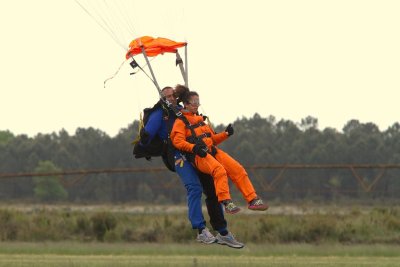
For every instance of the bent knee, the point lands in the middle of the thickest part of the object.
(219, 171)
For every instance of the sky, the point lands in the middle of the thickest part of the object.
(333, 60)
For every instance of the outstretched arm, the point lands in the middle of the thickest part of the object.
(219, 137)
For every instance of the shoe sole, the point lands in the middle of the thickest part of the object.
(226, 244)
(258, 208)
(207, 243)
(232, 212)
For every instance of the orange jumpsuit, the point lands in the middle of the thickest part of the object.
(221, 165)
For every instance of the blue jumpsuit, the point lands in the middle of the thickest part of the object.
(195, 182)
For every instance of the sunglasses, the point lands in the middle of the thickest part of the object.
(195, 103)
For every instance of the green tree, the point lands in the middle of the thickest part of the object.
(48, 188)
(5, 137)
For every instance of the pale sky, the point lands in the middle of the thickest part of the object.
(334, 60)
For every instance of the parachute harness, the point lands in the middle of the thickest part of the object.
(139, 46)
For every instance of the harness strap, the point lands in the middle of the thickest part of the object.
(179, 115)
(179, 62)
(194, 126)
(213, 151)
(201, 136)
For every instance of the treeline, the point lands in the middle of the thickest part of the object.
(257, 140)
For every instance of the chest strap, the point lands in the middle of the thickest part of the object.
(198, 137)
(194, 126)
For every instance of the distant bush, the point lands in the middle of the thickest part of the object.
(102, 223)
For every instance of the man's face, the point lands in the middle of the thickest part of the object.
(169, 95)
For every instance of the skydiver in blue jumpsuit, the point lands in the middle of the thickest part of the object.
(159, 123)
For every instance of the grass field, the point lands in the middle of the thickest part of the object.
(63, 254)
(284, 236)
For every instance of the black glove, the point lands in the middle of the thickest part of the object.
(229, 129)
(144, 137)
(200, 150)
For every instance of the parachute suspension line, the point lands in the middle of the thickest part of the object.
(105, 26)
(111, 24)
(169, 104)
(115, 74)
(114, 17)
(120, 18)
(134, 64)
(180, 63)
(126, 17)
(184, 70)
(151, 70)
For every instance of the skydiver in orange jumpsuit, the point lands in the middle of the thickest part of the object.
(209, 159)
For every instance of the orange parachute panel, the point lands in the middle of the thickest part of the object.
(153, 46)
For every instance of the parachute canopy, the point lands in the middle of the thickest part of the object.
(153, 46)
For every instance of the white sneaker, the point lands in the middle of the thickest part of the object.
(206, 237)
(229, 240)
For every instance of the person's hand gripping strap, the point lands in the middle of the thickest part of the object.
(200, 150)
